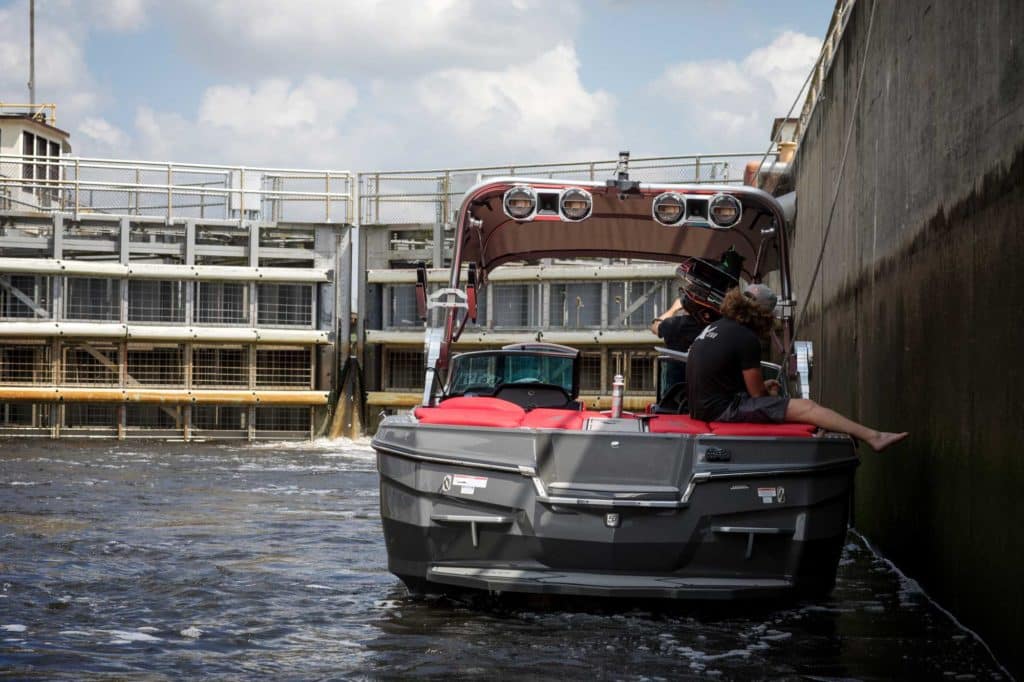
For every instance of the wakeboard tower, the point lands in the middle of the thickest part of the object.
(502, 480)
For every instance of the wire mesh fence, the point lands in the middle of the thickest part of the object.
(220, 367)
(283, 419)
(220, 418)
(18, 416)
(156, 301)
(25, 364)
(404, 370)
(590, 372)
(284, 305)
(156, 365)
(92, 364)
(222, 303)
(91, 416)
(92, 299)
(284, 368)
(24, 297)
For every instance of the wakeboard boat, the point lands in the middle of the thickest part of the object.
(502, 480)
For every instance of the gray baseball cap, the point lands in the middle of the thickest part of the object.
(763, 296)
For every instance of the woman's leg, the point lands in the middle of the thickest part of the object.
(810, 412)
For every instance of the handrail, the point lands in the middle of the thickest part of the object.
(34, 110)
(175, 191)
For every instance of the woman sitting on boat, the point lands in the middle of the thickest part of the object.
(724, 376)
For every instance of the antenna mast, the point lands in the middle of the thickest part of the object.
(32, 53)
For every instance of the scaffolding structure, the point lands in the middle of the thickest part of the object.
(125, 326)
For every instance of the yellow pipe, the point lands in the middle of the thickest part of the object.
(164, 396)
(635, 403)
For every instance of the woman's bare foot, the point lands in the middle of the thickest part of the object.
(884, 439)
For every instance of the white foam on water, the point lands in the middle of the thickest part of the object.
(14, 627)
(83, 633)
(192, 632)
(286, 490)
(336, 447)
(912, 586)
(131, 636)
(25, 483)
(314, 586)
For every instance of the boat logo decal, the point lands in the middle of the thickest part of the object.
(446, 484)
(770, 495)
(468, 484)
(611, 520)
(717, 455)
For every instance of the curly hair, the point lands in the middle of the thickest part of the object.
(744, 310)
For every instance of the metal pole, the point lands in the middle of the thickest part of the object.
(32, 55)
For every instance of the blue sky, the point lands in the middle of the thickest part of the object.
(432, 83)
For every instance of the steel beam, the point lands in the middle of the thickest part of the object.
(161, 396)
(527, 273)
(490, 338)
(142, 332)
(232, 273)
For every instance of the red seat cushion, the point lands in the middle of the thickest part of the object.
(786, 429)
(678, 423)
(551, 418)
(481, 403)
(482, 411)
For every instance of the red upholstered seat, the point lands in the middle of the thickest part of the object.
(482, 411)
(551, 418)
(786, 429)
(678, 423)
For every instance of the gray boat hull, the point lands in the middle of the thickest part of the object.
(639, 515)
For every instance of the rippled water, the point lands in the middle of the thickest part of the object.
(168, 561)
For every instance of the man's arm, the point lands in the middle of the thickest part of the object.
(754, 380)
(656, 322)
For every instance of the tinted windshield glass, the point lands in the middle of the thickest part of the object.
(484, 373)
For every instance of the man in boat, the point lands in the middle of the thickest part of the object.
(724, 376)
(700, 284)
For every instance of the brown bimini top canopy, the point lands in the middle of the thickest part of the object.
(618, 224)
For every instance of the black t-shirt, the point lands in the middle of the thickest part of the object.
(714, 370)
(679, 332)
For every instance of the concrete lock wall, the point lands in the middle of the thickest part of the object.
(916, 312)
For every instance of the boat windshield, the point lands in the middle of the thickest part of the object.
(486, 372)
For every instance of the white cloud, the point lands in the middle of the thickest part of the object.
(785, 64)
(537, 109)
(734, 102)
(273, 105)
(370, 37)
(122, 15)
(101, 132)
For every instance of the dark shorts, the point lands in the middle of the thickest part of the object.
(763, 410)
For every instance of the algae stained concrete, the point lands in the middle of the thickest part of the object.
(916, 313)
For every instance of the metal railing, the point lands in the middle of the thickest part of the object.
(172, 190)
(836, 27)
(35, 111)
(432, 196)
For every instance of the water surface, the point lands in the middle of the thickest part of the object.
(159, 561)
